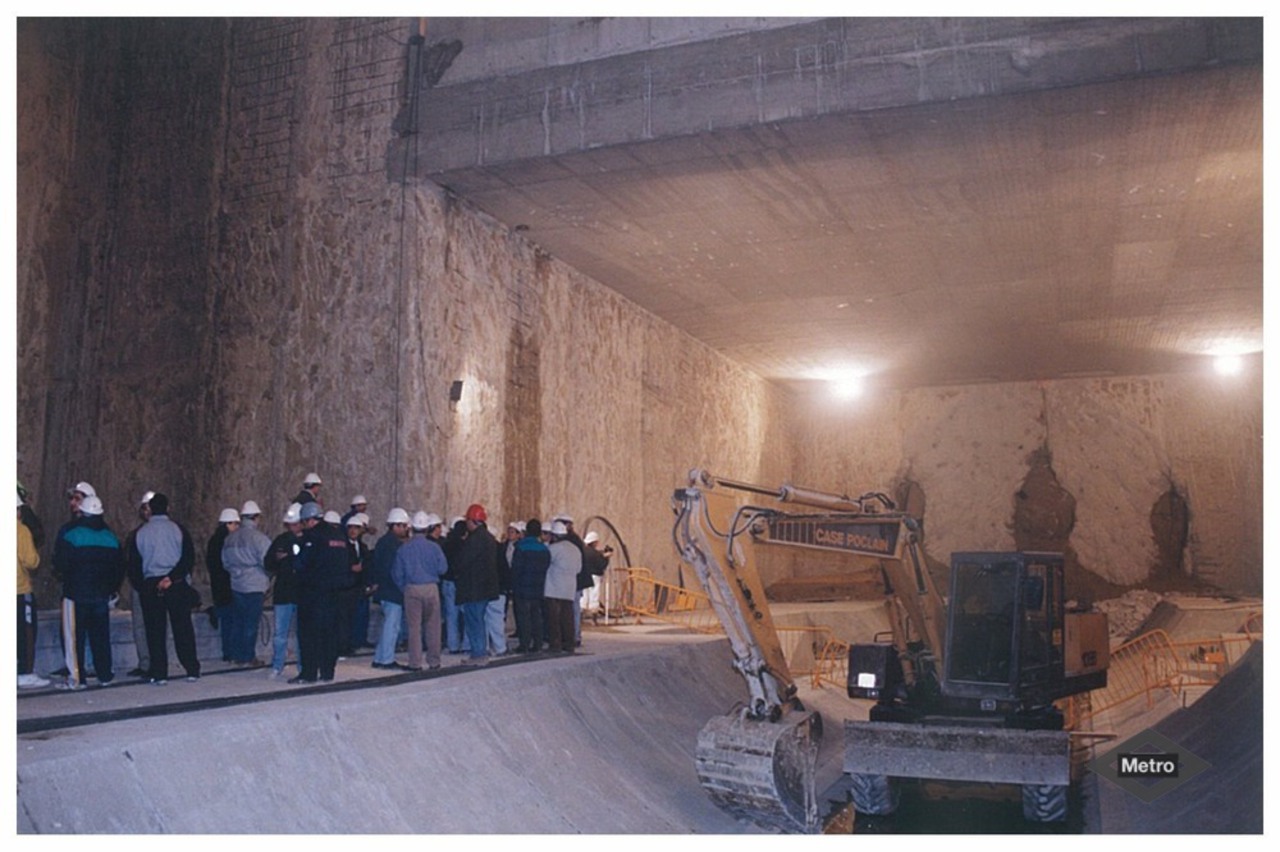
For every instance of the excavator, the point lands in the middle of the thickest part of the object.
(963, 692)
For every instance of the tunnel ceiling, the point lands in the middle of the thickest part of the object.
(1091, 230)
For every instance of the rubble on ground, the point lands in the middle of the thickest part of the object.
(1127, 613)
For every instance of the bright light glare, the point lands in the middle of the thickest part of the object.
(1228, 365)
(846, 385)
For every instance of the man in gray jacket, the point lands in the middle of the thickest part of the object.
(163, 549)
(244, 555)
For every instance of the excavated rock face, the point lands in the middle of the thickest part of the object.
(1044, 512)
(1170, 522)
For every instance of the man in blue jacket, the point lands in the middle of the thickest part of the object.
(88, 558)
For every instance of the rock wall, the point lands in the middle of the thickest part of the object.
(1081, 463)
(220, 291)
(277, 306)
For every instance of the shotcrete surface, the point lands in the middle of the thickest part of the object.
(597, 743)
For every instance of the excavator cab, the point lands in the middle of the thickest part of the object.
(1004, 641)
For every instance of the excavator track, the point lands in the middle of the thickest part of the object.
(763, 771)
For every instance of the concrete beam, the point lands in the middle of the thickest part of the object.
(818, 68)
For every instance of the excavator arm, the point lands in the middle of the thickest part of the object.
(759, 763)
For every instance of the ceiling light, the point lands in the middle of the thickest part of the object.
(1228, 365)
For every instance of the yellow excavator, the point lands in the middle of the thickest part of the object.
(963, 693)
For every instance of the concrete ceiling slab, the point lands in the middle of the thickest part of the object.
(1112, 228)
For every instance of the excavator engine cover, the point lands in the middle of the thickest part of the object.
(763, 771)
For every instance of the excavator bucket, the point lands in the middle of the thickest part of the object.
(763, 771)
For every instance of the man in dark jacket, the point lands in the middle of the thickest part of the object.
(284, 586)
(389, 596)
(529, 561)
(324, 570)
(451, 544)
(476, 578)
(88, 558)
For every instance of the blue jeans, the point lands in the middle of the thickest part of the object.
(473, 613)
(392, 618)
(495, 621)
(248, 611)
(452, 627)
(285, 614)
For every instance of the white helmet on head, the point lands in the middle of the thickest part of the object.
(563, 516)
(332, 517)
(397, 516)
(558, 528)
(312, 479)
(146, 498)
(433, 520)
(359, 500)
(91, 505)
(591, 537)
(229, 516)
(83, 488)
(250, 508)
(293, 515)
(359, 519)
(421, 521)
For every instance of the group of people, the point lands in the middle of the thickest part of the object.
(437, 587)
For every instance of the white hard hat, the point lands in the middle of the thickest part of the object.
(433, 520)
(293, 515)
(558, 528)
(358, 499)
(397, 516)
(313, 479)
(91, 505)
(84, 488)
(591, 537)
(146, 498)
(250, 508)
(359, 519)
(521, 526)
(454, 521)
(422, 521)
(229, 516)
(563, 516)
(332, 517)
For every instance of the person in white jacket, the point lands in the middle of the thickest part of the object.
(561, 588)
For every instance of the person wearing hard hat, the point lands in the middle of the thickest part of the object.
(284, 589)
(419, 564)
(88, 559)
(324, 569)
(244, 555)
(476, 579)
(222, 613)
(561, 589)
(133, 571)
(164, 547)
(355, 599)
(310, 492)
(359, 506)
(388, 595)
(28, 618)
(595, 561)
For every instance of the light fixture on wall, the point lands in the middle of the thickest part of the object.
(455, 394)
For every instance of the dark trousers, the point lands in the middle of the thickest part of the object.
(528, 624)
(349, 605)
(93, 623)
(28, 619)
(161, 612)
(319, 634)
(560, 625)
